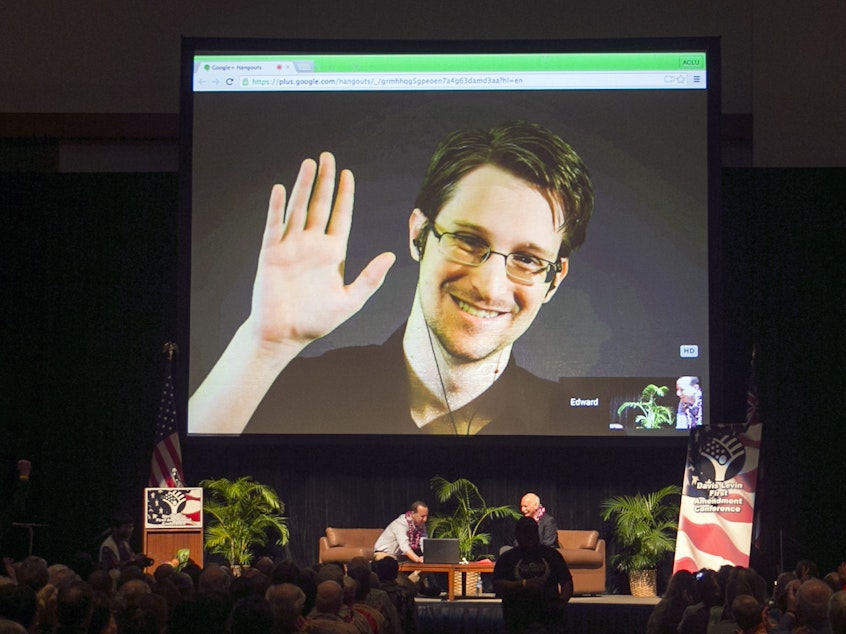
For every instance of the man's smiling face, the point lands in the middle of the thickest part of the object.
(476, 312)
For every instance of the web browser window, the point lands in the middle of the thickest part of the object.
(622, 343)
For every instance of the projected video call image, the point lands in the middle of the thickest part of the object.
(449, 263)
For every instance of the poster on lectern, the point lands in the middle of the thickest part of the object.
(173, 508)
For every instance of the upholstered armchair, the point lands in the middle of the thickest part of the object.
(584, 553)
(342, 544)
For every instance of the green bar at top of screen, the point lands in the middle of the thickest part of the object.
(481, 62)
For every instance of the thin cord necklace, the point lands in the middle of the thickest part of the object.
(443, 387)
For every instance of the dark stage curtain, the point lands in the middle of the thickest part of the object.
(89, 265)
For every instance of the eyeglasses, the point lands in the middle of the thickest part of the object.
(470, 250)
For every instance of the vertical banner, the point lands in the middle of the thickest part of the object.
(718, 497)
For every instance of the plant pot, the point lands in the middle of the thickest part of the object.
(472, 578)
(643, 583)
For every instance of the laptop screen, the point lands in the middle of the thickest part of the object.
(441, 551)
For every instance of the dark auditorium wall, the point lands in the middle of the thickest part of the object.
(89, 270)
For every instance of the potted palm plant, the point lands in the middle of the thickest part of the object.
(470, 516)
(645, 528)
(467, 521)
(653, 415)
(240, 515)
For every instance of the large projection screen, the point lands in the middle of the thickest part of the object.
(629, 324)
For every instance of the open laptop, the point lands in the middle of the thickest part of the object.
(440, 550)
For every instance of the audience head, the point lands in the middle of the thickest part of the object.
(195, 614)
(102, 618)
(330, 572)
(129, 573)
(833, 581)
(264, 565)
(526, 533)
(806, 569)
(361, 575)
(214, 579)
(184, 584)
(746, 581)
(747, 612)
(387, 569)
(287, 602)
(780, 591)
(682, 588)
(163, 571)
(101, 581)
(149, 615)
(708, 587)
(130, 593)
(285, 572)
(251, 615)
(812, 602)
(32, 572)
(837, 612)
(18, 603)
(74, 605)
(82, 564)
(11, 627)
(330, 597)
(57, 574)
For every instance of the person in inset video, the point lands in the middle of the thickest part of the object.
(689, 414)
(496, 219)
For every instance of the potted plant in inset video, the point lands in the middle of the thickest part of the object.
(652, 414)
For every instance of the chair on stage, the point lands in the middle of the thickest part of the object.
(343, 544)
(584, 553)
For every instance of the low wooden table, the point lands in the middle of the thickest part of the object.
(410, 566)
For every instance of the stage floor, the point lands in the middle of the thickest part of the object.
(605, 614)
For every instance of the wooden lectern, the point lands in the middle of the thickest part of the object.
(174, 520)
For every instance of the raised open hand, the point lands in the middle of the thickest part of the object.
(299, 293)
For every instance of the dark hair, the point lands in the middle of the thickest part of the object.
(387, 568)
(746, 611)
(74, 603)
(526, 150)
(808, 566)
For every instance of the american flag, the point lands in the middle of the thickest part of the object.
(754, 428)
(166, 466)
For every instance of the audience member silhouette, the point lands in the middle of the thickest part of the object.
(287, 601)
(251, 615)
(667, 614)
(276, 598)
(837, 612)
(808, 609)
(748, 614)
(401, 595)
(325, 618)
(739, 581)
(360, 571)
(696, 617)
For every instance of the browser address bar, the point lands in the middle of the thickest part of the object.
(458, 81)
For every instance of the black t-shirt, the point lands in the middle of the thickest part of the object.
(527, 606)
(364, 390)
